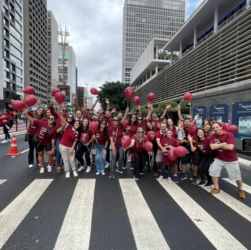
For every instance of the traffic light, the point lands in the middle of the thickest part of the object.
(246, 144)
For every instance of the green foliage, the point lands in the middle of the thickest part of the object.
(143, 110)
(114, 91)
(157, 111)
(162, 106)
(183, 106)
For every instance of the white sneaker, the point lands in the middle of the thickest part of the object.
(97, 173)
(9, 140)
(68, 174)
(169, 180)
(103, 173)
(41, 170)
(5, 141)
(75, 173)
(31, 166)
(107, 165)
(81, 169)
(49, 168)
(160, 178)
(88, 169)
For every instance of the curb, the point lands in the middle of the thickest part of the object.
(244, 162)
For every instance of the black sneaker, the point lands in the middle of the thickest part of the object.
(175, 179)
(194, 181)
(202, 183)
(209, 184)
(141, 173)
(157, 174)
(183, 177)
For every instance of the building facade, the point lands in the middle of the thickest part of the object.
(52, 43)
(35, 47)
(11, 52)
(144, 20)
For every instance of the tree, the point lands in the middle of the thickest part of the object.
(162, 106)
(183, 106)
(143, 110)
(114, 91)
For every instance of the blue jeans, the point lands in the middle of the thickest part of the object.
(100, 158)
(58, 152)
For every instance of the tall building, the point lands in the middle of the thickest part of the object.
(69, 67)
(144, 20)
(82, 93)
(35, 47)
(11, 52)
(52, 43)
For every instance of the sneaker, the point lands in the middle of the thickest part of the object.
(111, 176)
(67, 174)
(97, 173)
(170, 180)
(194, 181)
(157, 174)
(136, 178)
(141, 173)
(4, 141)
(46, 160)
(183, 177)
(49, 168)
(88, 170)
(107, 165)
(166, 169)
(241, 194)
(59, 170)
(103, 173)
(215, 191)
(124, 168)
(120, 171)
(209, 184)
(202, 183)
(31, 166)
(160, 178)
(81, 169)
(176, 179)
(131, 168)
(75, 173)
(41, 170)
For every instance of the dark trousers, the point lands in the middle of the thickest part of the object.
(31, 151)
(6, 132)
(204, 164)
(139, 162)
(107, 158)
(82, 149)
(155, 149)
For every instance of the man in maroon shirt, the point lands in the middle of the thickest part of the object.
(223, 143)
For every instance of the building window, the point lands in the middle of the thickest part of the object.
(19, 72)
(18, 80)
(6, 54)
(15, 51)
(7, 64)
(7, 95)
(13, 67)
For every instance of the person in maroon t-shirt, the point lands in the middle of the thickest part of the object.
(6, 127)
(223, 143)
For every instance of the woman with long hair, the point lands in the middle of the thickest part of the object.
(205, 122)
(170, 126)
(6, 127)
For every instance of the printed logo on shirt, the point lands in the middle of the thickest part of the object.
(217, 141)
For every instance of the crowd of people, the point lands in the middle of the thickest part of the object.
(71, 143)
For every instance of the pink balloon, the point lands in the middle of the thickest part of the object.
(4, 122)
(148, 146)
(93, 127)
(151, 136)
(188, 97)
(18, 105)
(223, 125)
(232, 129)
(227, 125)
(129, 92)
(180, 151)
(54, 91)
(59, 97)
(94, 91)
(29, 90)
(85, 137)
(171, 155)
(126, 141)
(136, 100)
(151, 97)
(30, 100)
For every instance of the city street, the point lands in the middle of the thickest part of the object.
(47, 211)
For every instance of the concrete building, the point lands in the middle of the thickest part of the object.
(11, 52)
(35, 47)
(90, 102)
(52, 43)
(82, 93)
(144, 20)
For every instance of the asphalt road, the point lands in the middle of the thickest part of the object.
(47, 211)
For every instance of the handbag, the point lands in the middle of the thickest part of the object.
(34, 139)
(26, 137)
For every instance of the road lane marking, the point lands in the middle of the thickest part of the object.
(245, 187)
(15, 212)
(2, 181)
(233, 203)
(146, 231)
(76, 229)
(213, 231)
(24, 151)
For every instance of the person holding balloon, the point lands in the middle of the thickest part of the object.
(152, 138)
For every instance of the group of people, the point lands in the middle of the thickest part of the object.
(67, 138)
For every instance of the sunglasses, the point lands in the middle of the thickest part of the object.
(115, 120)
(103, 123)
(52, 119)
(71, 117)
(65, 110)
(90, 113)
(139, 118)
(140, 132)
(134, 117)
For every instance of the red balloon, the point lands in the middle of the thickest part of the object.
(1, 119)
(223, 125)
(4, 122)
(94, 91)
(18, 105)
(126, 141)
(171, 155)
(188, 97)
(59, 97)
(85, 138)
(148, 146)
(30, 100)
(232, 129)
(29, 90)
(129, 92)
(180, 151)
(151, 136)
(136, 100)
(151, 97)
(54, 91)
(227, 125)
(93, 127)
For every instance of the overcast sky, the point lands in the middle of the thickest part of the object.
(96, 36)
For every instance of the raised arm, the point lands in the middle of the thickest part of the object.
(195, 119)
(99, 113)
(150, 109)
(179, 112)
(25, 112)
(193, 148)
(76, 103)
(125, 115)
(95, 103)
(85, 107)
(107, 104)
(164, 113)
(140, 113)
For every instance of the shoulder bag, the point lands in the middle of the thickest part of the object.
(34, 139)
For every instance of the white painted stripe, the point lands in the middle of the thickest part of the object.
(24, 151)
(233, 203)
(76, 229)
(245, 187)
(146, 231)
(213, 231)
(2, 181)
(244, 161)
(16, 211)
(13, 145)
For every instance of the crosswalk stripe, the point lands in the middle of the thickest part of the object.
(16, 211)
(214, 232)
(146, 231)
(233, 203)
(2, 181)
(76, 229)
(245, 187)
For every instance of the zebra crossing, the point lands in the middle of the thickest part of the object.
(79, 224)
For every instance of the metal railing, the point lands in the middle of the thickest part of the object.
(18, 125)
